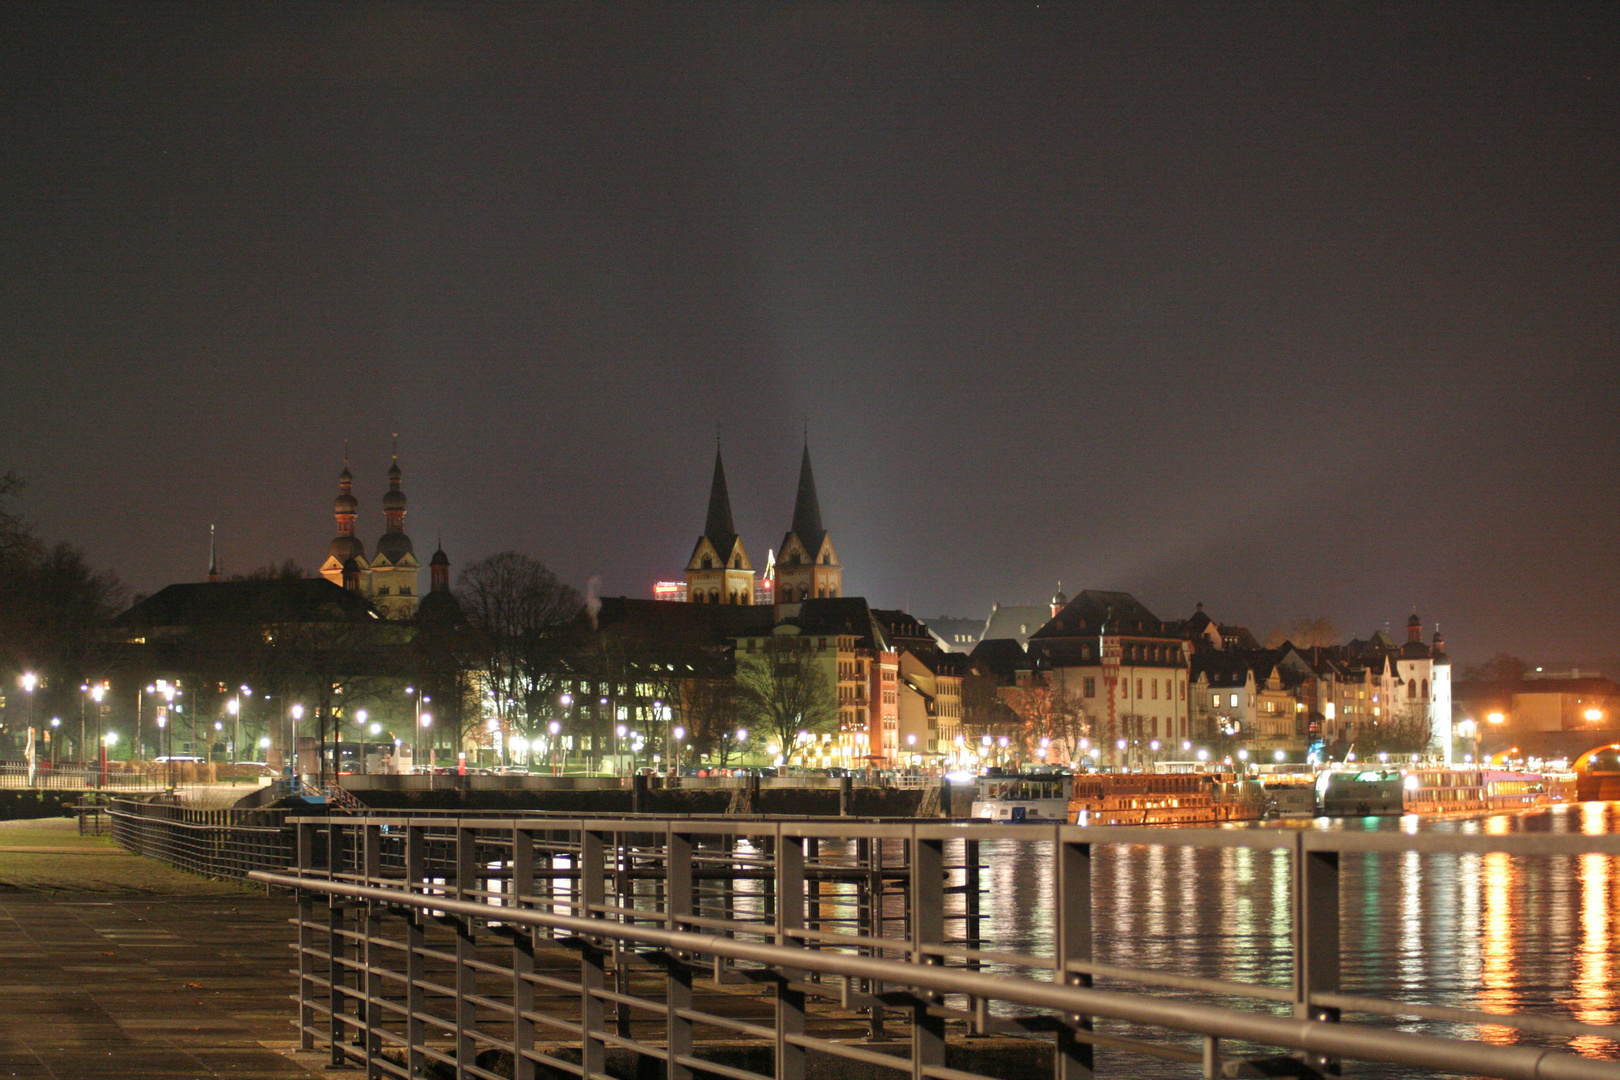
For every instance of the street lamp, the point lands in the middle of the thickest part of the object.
(679, 733)
(425, 726)
(421, 699)
(29, 681)
(360, 716)
(234, 707)
(555, 728)
(290, 765)
(618, 733)
(98, 692)
(56, 732)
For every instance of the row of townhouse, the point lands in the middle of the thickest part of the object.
(1111, 681)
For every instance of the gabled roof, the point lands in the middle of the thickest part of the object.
(221, 603)
(1221, 669)
(840, 615)
(998, 656)
(1095, 610)
(1020, 622)
(676, 621)
(943, 663)
(904, 629)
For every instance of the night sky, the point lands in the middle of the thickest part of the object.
(1297, 310)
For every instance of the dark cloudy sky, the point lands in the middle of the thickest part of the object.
(1295, 309)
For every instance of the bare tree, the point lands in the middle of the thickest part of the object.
(713, 708)
(519, 612)
(785, 691)
(1048, 709)
(1304, 633)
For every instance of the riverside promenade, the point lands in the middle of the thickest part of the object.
(113, 965)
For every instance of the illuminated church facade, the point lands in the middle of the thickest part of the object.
(389, 576)
(807, 567)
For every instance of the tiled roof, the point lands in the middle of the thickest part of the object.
(296, 600)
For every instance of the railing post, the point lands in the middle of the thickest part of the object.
(415, 944)
(466, 953)
(592, 957)
(927, 928)
(1316, 935)
(678, 996)
(1074, 1056)
(337, 976)
(1316, 928)
(789, 916)
(306, 941)
(522, 956)
(373, 955)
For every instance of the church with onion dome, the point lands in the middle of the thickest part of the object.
(388, 577)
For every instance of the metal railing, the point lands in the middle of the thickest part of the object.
(72, 776)
(213, 843)
(736, 949)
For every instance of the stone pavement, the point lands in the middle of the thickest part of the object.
(116, 966)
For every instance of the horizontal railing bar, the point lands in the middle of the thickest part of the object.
(1181, 982)
(1538, 1025)
(853, 1053)
(1334, 1039)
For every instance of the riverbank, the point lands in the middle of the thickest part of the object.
(119, 966)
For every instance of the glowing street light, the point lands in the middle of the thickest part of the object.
(556, 729)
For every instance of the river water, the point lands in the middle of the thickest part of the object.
(1493, 932)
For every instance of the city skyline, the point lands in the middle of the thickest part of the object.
(1297, 315)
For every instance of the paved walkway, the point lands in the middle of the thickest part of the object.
(115, 966)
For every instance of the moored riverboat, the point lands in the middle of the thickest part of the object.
(1386, 791)
(1043, 797)
(1164, 799)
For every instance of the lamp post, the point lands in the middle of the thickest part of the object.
(84, 758)
(29, 681)
(56, 732)
(742, 737)
(168, 767)
(618, 757)
(290, 764)
(360, 716)
(424, 724)
(98, 692)
(567, 702)
(234, 707)
(421, 699)
(679, 733)
(555, 729)
(166, 729)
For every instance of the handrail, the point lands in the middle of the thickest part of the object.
(1332, 1039)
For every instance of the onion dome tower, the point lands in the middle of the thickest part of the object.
(719, 571)
(1059, 601)
(394, 569)
(439, 607)
(807, 566)
(346, 545)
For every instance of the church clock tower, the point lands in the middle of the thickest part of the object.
(807, 566)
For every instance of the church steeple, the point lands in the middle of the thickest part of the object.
(807, 566)
(718, 527)
(806, 507)
(719, 571)
(346, 545)
(395, 570)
